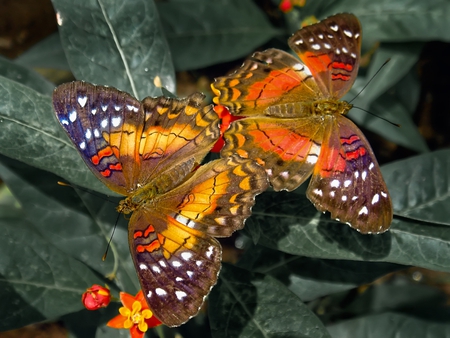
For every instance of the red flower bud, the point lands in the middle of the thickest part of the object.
(96, 297)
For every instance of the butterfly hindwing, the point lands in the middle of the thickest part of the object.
(175, 255)
(331, 51)
(287, 148)
(347, 180)
(105, 125)
(177, 266)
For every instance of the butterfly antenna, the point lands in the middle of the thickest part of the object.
(64, 184)
(368, 112)
(379, 69)
(110, 238)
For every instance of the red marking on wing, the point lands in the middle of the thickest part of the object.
(106, 173)
(137, 234)
(279, 82)
(289, 146)
(353, 155)
(150, 229)
(154, 245)
(105, 152)
(340, 77)
(350, 140)
(317, 63)
(340, 65)
(334, 161)
(116, 167)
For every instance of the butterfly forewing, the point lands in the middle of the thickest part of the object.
(331, 51)
(268, 78)
(104, 124)
(347, 180)
(174, 129)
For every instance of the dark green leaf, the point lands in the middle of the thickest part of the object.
(420, 187)
(120, 44)
(311, 278)
(389, 325)
(203, 32)
(256, 305)
(20, 74)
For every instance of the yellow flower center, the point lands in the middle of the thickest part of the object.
(136, 316)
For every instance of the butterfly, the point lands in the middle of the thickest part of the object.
(296, 126)
(149, 151)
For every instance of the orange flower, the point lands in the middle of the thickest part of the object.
(96, 297)
(134, 315)
(226, 118)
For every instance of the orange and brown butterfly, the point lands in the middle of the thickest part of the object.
(296, 126)
(149, 151)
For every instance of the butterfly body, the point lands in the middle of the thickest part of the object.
(147, 151)
(295, 125)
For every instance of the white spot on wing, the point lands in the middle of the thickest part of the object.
(94, 111)
(64, 122)
(83, 145)
(210, 251)
(142, 266)
(363, 210)
(104, 123)
(88, 134)
(117, 108)
(160, 292)
(318, 192)
(104, 107)
(335, 183)
(180, 294)
(116, 121)
(149, 294)
(199, 263)
(190, 273)
(82, 101)
(179, 279)
(384, 194)
(163, 264)
(327, 45)
(344, 198)
(186, 255)
(176, 264)
(347, 183)
(156, 269)
(371, 165)
(345, 50)
(353, 55)
(348, 33)
(315, 46)
(332, 193)
(73, 116)
(96, 133)
(334, 27)
(364, 175)
(375, 199)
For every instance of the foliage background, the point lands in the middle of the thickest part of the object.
(292, 272)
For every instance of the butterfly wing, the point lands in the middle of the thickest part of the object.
(268, 78)
(287, 148)
(175, 256)
(176, 132)
(347, 180)
(105, 124)
(331, 50)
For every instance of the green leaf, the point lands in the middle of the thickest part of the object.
(203, 32)
(31, 134)
(401, 20)
(38, 281)
(290, 223)
(256, 305)
(420, 187)
(311, 278)
(389, 325)
(117, 44)
(20, 74)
